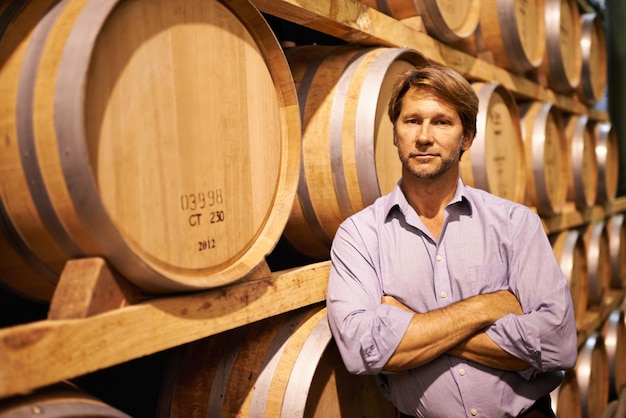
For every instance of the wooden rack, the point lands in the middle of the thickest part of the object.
(98, 319)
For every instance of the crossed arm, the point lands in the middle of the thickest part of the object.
(456, 330)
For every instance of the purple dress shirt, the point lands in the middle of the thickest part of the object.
(487, 244)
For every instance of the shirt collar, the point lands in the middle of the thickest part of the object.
(461, 199)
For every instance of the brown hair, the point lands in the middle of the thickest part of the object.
(445, 83)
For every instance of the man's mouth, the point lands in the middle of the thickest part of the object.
(423, 156)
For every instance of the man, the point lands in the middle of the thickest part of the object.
(451, 295)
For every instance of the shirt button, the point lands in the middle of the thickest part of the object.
(462, 372)
(474, 411)
(443, 294)
(438, 258)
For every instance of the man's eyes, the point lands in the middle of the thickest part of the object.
(439, 122)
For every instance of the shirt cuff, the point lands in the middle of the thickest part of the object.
(518, 338)
(378, 346)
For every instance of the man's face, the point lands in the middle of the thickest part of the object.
(429, 135)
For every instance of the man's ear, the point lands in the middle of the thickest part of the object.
(466, 141)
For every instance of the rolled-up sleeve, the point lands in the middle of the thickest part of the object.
(367, 332)
(545, 335)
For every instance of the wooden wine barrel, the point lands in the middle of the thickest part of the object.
(617, 407)
(562, 62)
(607, 154)
(348, 157)
(616, 227)
(570, 250)
(594, 69)
(449, 20)
(582, 186)
(161, 135)
(566, 402)
(592, 373)
(21, 272)
(546, 163)
(598, 263)
(63, 400)
(286, 366)
(514, 32)
(29, 260)
(496, 160)
(316, 71)
(614, 333)
(446, 20)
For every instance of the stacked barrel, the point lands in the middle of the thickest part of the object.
(181, 142)
(286, 366)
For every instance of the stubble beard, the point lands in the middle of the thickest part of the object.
(422, 171)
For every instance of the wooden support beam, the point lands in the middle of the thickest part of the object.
(88, 287)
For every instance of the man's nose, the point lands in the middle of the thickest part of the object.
(424, 133)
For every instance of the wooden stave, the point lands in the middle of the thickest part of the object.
(570, 250)
(598, 262)
(474, 167)
(99, 228)
(607, 153)
(346, 127)
(614, 333)
(594, 52)
(565, 399)
(22, 271)
(616, 226)
(547, 198)
(562, 62)
(592, 371)
(30, 266)
(275, 360)
(583, 177)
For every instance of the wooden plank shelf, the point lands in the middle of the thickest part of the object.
(570, 217)
(595, 318)
(93, 336)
